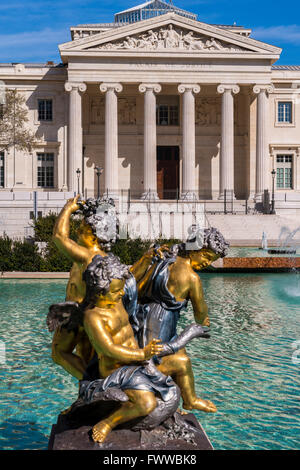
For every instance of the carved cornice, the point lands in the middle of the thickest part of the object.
(81, 87)
(183, 87)
(155, 87)
(116, 87)
(267, 88)
(285, 147)
(233, 88)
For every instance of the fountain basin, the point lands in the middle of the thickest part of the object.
(256, 264)
(249, 368)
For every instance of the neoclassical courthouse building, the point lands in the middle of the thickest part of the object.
(167, 105)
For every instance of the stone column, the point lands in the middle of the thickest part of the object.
(188, 141)
(75, 135)
(227, 137)
(111, 169)
(150, 165)
(262, 150)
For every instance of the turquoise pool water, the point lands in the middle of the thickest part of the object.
(246, 367)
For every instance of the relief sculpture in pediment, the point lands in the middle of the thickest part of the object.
(170, 38)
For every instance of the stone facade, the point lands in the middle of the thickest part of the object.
(223, 85)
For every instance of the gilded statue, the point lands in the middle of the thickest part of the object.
(116, 332)
(82, 252)
(166, 290)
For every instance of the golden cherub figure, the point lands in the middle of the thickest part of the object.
(107, 325)
(166, 289)
(81, 253)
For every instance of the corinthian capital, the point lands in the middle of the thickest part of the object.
(266, 88)
(69, 86)
(155, 87)
(116, 87)
(233, 88)
(183, 87)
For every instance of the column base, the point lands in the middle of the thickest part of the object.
(188, 196)
(222, 197)
(258, 197)
(150, 196)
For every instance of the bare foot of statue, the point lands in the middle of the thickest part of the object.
(100, 431)
(202, 405)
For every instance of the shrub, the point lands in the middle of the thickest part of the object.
(6, 250)
(25, 256)
(130, 250)
(43, 227)
(54, 260)
(19, 256)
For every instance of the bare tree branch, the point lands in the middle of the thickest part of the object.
(13, 119)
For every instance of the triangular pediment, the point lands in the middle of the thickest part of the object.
(169, 33)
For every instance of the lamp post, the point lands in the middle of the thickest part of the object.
(78, 172)
(273, 173)
(99, 171)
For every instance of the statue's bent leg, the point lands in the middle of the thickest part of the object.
(180, 368)
(141, 403)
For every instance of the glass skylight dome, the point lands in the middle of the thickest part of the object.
(149, 10)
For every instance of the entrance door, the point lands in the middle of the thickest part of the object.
(167, 172)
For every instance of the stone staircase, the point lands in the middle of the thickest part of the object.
(247, 229)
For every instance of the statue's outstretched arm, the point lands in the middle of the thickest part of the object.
(61, 233)
(197, 298)
(103, 343)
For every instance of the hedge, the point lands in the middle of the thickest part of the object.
(26, 256)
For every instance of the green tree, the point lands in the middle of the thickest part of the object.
(13, 117)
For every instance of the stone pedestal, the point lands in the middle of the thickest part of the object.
(65, 437)
(73, 432)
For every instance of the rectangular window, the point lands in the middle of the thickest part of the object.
(284, 113)
(167, 115)
(45, 170)
(284, 172)
(1, 169)
(45, 110)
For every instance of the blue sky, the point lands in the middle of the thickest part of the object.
(31, 30)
